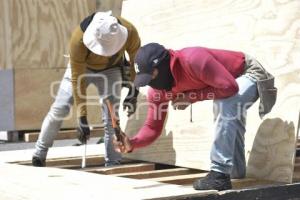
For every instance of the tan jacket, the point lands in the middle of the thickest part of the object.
(81, 58)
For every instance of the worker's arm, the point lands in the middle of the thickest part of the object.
(151, 130)
(221, 84)
(78, 54)
(134, 43)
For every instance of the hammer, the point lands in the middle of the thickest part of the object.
(114, 120)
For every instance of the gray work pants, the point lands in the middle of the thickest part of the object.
(106, 85)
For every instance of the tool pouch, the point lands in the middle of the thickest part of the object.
(267, 94)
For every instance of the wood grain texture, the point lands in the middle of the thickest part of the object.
(139, 167)
(114, 5)
(266, 29)
(270, 157)
(63, 135)
(35, 91)
(40, 30)
(24, 182)
(5, 37)
(156, 173)
(25, 155)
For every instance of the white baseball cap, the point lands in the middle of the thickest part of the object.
(104, 35)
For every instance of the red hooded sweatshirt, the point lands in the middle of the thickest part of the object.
(201, 74)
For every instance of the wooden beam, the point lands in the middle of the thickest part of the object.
(140, 167)
(296, 177)
(179, 180)
(297, 167)
(190, 178)
(157, 173)
(90, 160)
(250, 182)
(62, 135)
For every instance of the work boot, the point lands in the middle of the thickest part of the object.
(38, 162)
(112, 163)
(213, 181)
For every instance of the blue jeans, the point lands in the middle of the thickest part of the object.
(228, 149)
(63, 102)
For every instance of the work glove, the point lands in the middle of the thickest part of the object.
(181, 102)
(83, 130)
(130, 101)
(122, 144)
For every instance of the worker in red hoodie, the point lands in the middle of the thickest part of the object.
(233, 80)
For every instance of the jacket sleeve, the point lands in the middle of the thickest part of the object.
(220, 83)
(152, 128)
(78, 53)
(134, 43)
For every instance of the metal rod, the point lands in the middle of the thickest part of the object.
(83, 162)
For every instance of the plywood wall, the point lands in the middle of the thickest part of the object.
(114, 5)
(35, 91)
(266, 29)
(37, 32)
(34, 36)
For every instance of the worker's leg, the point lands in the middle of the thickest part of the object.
(110, 87)
(228, 154)
(52, 122)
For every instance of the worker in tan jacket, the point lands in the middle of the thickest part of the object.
(97, 56)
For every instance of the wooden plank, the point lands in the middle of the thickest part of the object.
(17, 156)
(90, 160)
(250, 182)
(139, 167)
(297, 167)
(34, 183)
(62, 135)
(296, 176)
(180, 179)
(236, 27)
(297, 160)
(157, 173)
(190, 178)
(41, 29)
(5, 37)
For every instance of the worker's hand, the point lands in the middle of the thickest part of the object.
(181, 102)
(83, 130)
(124, 145)
(130, 101)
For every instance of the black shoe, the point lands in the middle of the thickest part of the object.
(213, 181)
(112, 163)
(37, 162)
(100, 141)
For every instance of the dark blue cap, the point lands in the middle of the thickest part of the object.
(147, 58)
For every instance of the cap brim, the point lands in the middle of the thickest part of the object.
(142, 80)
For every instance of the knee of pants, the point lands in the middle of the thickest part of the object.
(59, 112)
(226, 108)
